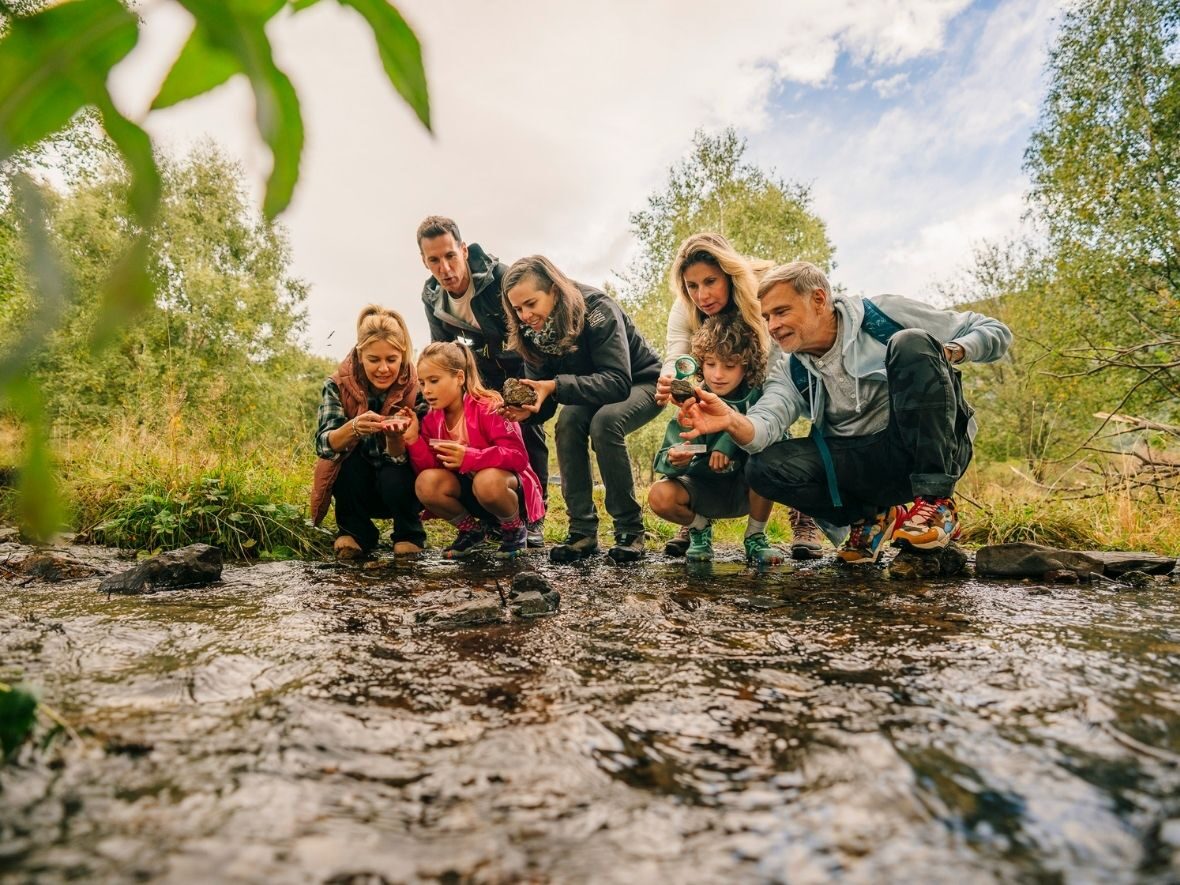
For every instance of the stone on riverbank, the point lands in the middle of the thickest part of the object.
(55, 567)
(914, 565)
(191, 566)
(1025, 560)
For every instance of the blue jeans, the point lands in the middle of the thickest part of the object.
(606, 428)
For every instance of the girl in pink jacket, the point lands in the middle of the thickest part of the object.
(471, 463)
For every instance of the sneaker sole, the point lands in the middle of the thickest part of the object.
(699, 558)
(806, 551)
(569, 557)
(937, 544)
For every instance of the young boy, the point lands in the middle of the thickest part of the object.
(702, 486)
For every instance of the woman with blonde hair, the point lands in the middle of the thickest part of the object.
(710, 278)
(365, 408)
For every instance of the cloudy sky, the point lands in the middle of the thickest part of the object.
(554, 121)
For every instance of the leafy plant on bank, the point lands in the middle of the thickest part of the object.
(210, 511)
(55, 63)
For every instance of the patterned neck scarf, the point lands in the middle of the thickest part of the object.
(548, 340)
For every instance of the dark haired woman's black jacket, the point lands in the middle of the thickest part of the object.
(612, 357)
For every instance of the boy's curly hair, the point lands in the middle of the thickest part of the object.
(730, 340)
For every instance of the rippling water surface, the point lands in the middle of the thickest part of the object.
(295, 724)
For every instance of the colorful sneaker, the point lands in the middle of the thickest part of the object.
(628, 548)
(867, 538)
(678, 544)
(573, 548)
(760, 552)
(536, 533)
(466, 543)
(700, 544)
(931, 524)
(807, 541)
(513, 541)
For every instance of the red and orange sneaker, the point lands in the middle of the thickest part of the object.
(931, 524)
(868, 538)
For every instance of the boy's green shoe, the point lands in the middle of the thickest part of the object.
(700, 544)
(759, 551)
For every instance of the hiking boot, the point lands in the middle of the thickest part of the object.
(628, 548)
(700, 544)
(868, 537)
(930, 524)
(807, 541)
(678, 544)
(347, 549)
(573, 548)
(466, 543)
(760, 552)
(536, 533)
(512, 541)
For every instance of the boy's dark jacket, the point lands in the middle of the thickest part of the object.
(612, 357)
(740, 400)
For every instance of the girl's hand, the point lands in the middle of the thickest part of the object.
(543, 388)
(719, 462)
(514, 413)
(663, 390)
(449, 454)
(410, 434)
(395, 425)
(677, 457)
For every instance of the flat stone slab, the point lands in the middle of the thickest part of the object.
(1025, 560)
(484, 609)
(55, 567)
(191, 566)
(1118, 562)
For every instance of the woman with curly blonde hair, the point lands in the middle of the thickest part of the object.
(709, 278)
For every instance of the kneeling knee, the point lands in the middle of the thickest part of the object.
(910, 343)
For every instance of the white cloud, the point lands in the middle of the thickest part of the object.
(888, 87)
(552, 122)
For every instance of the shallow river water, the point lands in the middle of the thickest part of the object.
(296, 724)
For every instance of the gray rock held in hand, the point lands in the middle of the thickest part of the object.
(191, 566)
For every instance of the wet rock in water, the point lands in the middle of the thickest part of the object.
(914, 565)
(469, 613)
(191, 566)
(1065, 576)
(683, 390)
(517, 393)
(1025, 560)
(54, 567)
(1118, 562)
(9, 534)
(532, 595)
(1136, 578)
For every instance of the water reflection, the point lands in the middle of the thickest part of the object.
(297, 723)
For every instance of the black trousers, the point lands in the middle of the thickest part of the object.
(923, 451)
(364, 491)
(533, 431)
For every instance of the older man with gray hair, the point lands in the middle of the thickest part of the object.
(890, 426)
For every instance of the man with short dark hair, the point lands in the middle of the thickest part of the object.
(463, 303)
(876, 377)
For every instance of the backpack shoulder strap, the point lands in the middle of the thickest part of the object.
(879, 324)
(798, 375)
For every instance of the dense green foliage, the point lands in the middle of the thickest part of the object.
(1096, 303)
(222, 336)
(55, 61)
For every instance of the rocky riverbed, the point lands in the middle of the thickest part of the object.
(307, 722)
